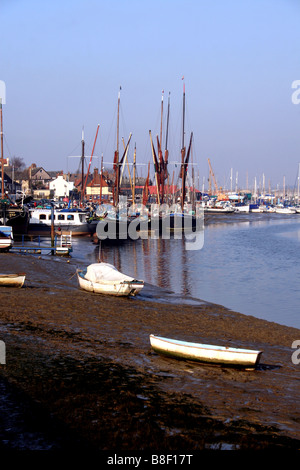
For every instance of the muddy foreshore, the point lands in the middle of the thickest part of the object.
(80, 373)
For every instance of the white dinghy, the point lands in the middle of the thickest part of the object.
(223, 355)
(12, 280)
(104, 278)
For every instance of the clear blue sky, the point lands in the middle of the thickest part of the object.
(63, 62)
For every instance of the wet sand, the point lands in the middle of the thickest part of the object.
(80, 373)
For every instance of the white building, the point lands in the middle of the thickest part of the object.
(61, 187)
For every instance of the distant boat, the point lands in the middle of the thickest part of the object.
(6, 237)
(104, 278)
(247, 358)
(241, 207)
(220, 207)
(12, 280)
(285, 210)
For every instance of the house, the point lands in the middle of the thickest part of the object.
(10, 186)
(39, 176)
(95, 186)
(60, 187)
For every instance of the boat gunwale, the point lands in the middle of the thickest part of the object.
(209, 347)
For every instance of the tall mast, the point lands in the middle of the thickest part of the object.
(134, 167)
(2, 158)
(118, 121)
(167, 129)
(183, 113)
(101, 169)
(161, 117)
(183, 149)
(166, 148)
(298, 181)
(116, 157)
(82, 163)
(88, 170)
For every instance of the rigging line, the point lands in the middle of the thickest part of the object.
(5, 140)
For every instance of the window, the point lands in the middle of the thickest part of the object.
(70, 217)
(61, 217)
(42, 216)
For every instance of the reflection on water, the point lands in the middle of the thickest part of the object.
(250, 266)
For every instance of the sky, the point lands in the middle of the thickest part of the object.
(63, 64)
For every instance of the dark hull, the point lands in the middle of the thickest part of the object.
(17, 218)
(172, 223)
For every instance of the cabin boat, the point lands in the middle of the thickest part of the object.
(104, 278)
(65, 221)
(207, 353)
(6, 237)
(12, 280)
(219, 207)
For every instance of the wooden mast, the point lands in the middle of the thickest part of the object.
(82, 165)
(133, 183)
(166, 148)
(101, 169)
(2, 157)
(155, 167)
(116, 159)
(184, 159)
(183, 150)
(87, 174)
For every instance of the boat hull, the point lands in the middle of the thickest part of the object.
(64, 222)
(12, 280)
(222, 355)
(6, 237)
(15, 217)
(119, 289)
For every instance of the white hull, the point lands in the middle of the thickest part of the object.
(64, 221)
(6, 237)
(285, 210)
(12, 280)
(5, 243)
(245, 208)
(124, 286)
(205, 353)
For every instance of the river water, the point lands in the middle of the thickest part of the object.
(248, 263)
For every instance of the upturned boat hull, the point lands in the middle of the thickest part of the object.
(12, 280)
(246, 358)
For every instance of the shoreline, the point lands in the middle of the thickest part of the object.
(84, 362)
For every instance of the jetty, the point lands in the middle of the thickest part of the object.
(60, 245)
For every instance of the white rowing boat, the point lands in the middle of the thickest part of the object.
(247, 358)
(12, 280)
(104, 278)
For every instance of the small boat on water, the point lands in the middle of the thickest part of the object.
(104, 278)
(223, 355)
(12, 280)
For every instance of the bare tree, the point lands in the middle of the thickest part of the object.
(18, 163)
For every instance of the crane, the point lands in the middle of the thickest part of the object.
(213, 176)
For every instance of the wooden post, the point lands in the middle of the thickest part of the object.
(52, 228)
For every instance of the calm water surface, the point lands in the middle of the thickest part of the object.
(249, 263)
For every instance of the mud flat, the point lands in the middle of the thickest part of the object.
(80, 373)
